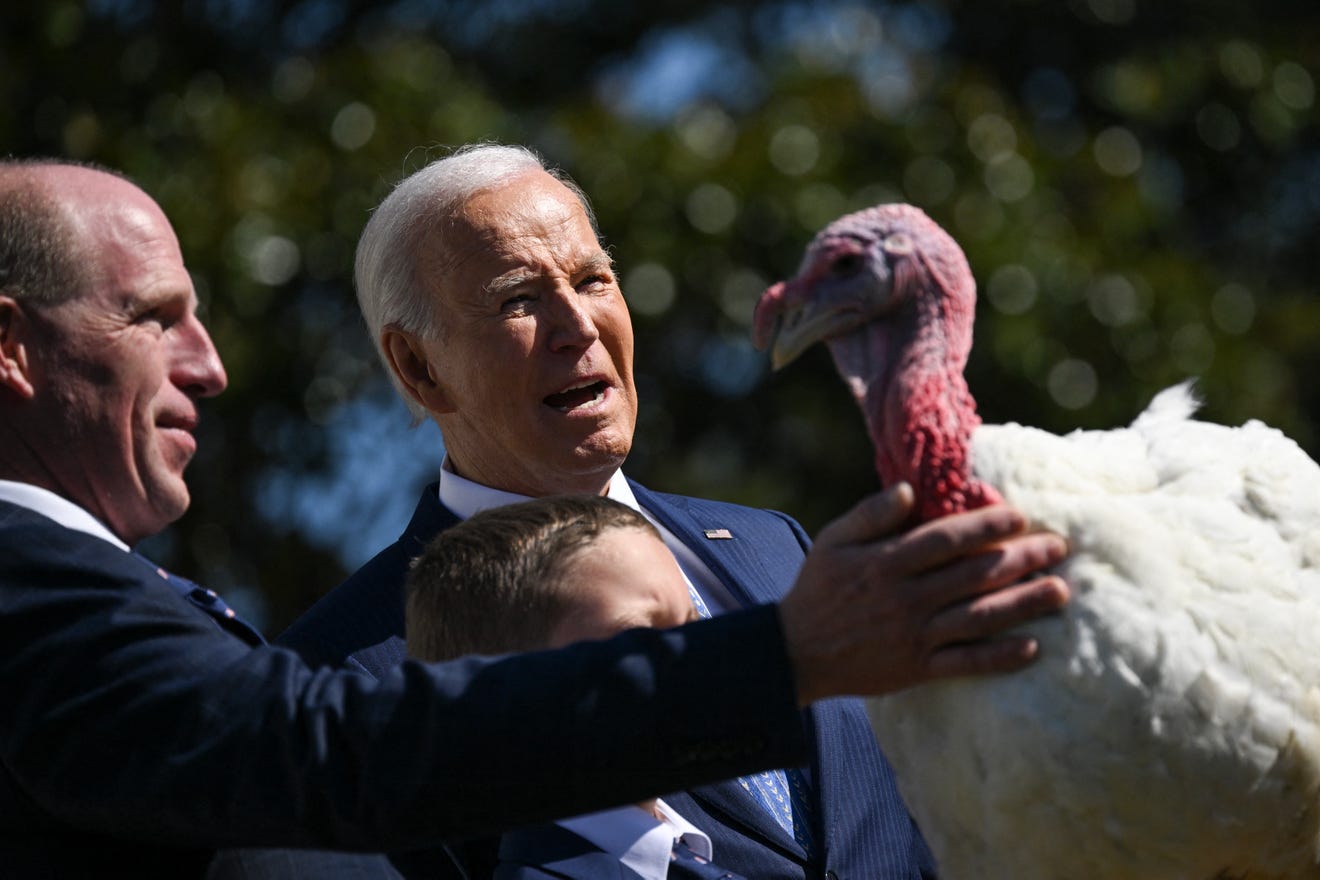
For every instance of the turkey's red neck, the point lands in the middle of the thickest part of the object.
(906, 373)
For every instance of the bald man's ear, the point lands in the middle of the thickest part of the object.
(407, 358)
(15, 331)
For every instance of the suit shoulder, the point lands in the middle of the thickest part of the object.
(719, 514)
(695, 504)
(362, 618)
(31, 541)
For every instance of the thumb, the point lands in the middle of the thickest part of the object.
(875, 516)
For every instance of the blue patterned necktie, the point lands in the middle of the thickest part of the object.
(781, 792)
(684, 864)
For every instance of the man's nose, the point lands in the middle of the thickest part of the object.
(574, 325)
(196, 366)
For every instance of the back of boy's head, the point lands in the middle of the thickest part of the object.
(491, 584)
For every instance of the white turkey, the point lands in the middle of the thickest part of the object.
(1171, 727)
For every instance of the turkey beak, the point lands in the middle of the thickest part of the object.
(778, 323)
(788, 323)
(795, 331)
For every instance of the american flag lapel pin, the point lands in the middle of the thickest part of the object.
(718, 534)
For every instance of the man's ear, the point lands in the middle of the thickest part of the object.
(15, 331)
(407, 358)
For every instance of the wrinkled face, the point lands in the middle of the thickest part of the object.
(534, 348)
(117, 369)
(625, 578)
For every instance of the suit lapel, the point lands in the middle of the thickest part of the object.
(384, 588)
(429, 519)
(734, 806)
(735, 560)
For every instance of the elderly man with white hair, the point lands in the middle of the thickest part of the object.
(499, 315)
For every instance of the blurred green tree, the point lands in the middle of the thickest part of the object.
(1137, 187)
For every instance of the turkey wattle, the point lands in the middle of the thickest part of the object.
(1171, 727)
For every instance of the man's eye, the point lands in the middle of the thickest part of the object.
(165, 314)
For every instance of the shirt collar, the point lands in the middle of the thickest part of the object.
(638, 839)
(464, 497)
(58, 508)
(694, 837)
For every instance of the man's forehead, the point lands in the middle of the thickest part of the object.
(531, 206)
(513, 227)
(134, 256)
(135, 234)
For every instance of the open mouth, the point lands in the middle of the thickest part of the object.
(579, 396)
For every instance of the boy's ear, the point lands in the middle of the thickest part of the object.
(407, 359)
(15, 331)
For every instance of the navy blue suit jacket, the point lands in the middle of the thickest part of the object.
(861, 827)
(549, 852)
(138, 734)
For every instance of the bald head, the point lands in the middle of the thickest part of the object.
(39, 251)
(102, 357)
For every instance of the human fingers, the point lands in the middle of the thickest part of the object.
(994, 613)
(984, 657)
(983, 571)
(875, 516)
(937, 542)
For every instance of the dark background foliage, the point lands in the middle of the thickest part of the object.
(1136, 184)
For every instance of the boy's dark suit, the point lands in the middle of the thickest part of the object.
(861, 827)
(137, 735)
(550, 852)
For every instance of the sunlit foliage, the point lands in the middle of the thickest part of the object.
(1136, 184)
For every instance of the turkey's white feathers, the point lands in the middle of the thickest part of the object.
(1174, 710)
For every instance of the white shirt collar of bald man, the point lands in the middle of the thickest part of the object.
(58, 508)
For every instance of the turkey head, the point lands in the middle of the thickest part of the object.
(890, 293)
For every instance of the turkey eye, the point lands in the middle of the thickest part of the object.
(899, 243)
(847, 264)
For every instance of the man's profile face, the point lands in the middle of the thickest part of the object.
(535, 346)
(119, 366)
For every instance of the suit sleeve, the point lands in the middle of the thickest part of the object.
(125, 712)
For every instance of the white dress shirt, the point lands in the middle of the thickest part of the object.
(637, 839)
(58, 508)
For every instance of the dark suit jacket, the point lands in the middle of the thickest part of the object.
(137, 735)
(861, 827)
(550, 852)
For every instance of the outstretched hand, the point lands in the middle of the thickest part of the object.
(877, 609)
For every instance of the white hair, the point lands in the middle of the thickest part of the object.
(389, 289)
